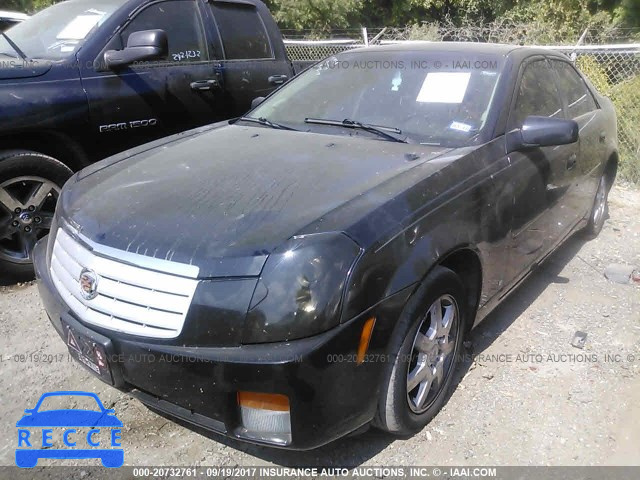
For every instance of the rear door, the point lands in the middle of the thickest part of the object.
(152, 99)
(253, 65)
(580, 105)
(539, 179)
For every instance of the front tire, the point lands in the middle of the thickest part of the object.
(425, 352)
(30, 184)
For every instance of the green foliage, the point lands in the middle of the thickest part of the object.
(317, 15)
(595, 72)
(566, 18)
(27, 6)
(561, 19)
(424, 31)
(627, 12)
(626, 98)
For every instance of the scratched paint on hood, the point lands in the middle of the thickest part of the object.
(234, 192)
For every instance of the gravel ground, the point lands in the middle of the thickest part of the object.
(525, 396)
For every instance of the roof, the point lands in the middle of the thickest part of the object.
(13, 15)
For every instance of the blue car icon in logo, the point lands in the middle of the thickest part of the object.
(37, 429)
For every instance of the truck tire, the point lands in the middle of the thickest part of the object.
(30, 184)
(424, 354)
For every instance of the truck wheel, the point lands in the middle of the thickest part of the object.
(30, 184)
(425, 351)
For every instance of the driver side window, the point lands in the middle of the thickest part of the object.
(181, 22)
(537, 94)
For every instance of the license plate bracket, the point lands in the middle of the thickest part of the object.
(91, 350)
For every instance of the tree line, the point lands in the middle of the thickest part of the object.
(564, 16)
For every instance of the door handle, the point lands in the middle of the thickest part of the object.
(277, 79)
(204, 85)
(572, 161)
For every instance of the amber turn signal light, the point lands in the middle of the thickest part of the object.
(365, 337)
(264, 401)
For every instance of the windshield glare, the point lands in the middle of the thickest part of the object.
(59, 31)
(434, 98)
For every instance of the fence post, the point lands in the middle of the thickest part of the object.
(365, 36)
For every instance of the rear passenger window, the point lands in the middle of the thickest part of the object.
(573, 89)
(537, 94)
(243, 34)
(181, 22)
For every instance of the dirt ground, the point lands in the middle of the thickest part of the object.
(526, 398)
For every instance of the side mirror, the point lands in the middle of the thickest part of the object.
(257, 101)
(143, 45)
(542, 132)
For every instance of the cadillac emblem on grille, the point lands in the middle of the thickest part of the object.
(88, 284)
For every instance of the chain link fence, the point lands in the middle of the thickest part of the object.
(613, 68)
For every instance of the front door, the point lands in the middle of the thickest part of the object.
(538, 175)
(584, 174)
(145, 101)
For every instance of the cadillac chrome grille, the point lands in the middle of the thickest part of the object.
(125, 297)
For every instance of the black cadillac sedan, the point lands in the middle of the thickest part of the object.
(309, 269)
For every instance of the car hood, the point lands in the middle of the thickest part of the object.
(232, 193)
(69, 418)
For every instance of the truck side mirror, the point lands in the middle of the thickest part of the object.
(256, 101)
(143, 45)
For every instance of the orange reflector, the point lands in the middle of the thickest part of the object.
(264, 401)
(365, 336)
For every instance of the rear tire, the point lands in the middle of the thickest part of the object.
(30, 184)
(425, 351)
(599, 210)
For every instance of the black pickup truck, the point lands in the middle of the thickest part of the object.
(85, 79)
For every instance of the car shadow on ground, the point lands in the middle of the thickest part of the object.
(6, 281)
(354, 450)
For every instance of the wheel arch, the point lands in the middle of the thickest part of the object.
(58, 145)
(466, 263)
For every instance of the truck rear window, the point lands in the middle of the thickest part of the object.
(243, 33)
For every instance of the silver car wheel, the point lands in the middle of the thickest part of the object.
(433, 353)
(600, 205)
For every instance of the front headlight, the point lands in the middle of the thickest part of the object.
(300, 290)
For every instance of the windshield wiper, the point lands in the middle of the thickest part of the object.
(15, 47)
(377, 129)
(266, 122)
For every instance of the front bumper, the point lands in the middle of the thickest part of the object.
(330, 395)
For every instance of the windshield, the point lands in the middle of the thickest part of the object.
(59, 31)
(438, 98)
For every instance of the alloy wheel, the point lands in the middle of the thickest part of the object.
(27, 206)
(600, 203)
(433, 353)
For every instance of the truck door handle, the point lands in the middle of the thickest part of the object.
(572, 161)
(204, 85)
(277, 79)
